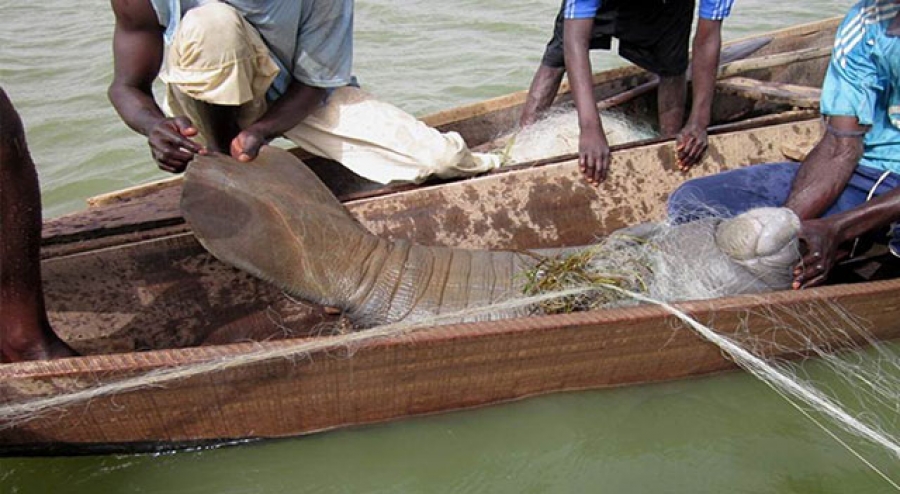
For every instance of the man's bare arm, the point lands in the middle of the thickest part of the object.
(138, 53)
(823, 237)
(828, 168)
(593, 150)
(692, 141)
(137, 56)
(821, 179)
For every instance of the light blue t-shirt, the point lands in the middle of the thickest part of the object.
(863, 80)
(715, 10)
(311, 40)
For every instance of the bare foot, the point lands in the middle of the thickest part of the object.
(45, 346)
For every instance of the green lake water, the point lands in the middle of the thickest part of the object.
(727, 433)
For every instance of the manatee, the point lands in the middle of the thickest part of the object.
(275, 219)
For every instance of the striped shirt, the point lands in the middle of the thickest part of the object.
(714, 10)
(863, 80)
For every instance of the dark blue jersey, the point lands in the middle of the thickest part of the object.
(715, 10)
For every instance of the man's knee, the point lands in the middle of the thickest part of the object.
(206, 32)
(719, 196)
(688, 202)
(218, 57)
(214, 16)
(13, 149)
(732, 192)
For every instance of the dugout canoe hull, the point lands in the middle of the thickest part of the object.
(796, 55)
(434, 370)
(127, 276)
(439, 370)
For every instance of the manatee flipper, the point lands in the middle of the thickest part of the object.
(275, 219)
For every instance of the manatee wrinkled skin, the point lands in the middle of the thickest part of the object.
(275, 219)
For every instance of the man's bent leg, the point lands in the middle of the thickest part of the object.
(217, 72)
(383, 143)
(25, 332)
(541, 93)
(671, 97)
(732, 192)
(548, 77)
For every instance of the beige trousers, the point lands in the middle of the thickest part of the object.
(219, 58)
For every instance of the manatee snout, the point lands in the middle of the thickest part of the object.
(765, 241)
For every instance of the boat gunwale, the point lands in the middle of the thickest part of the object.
(66, 245)
(161, 359)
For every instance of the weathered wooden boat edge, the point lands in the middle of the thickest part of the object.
(447, 368)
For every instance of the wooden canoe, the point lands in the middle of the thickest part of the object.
(114, 291)
(167, 290)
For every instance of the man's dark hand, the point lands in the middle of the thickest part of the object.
(593, 156)
(691, 143)
(171, 144)
(820, 239)
(245, 147)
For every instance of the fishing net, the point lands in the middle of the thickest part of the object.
(847, 383)
(705, 259)
(556, 134)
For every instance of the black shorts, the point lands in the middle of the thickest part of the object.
(652, 34)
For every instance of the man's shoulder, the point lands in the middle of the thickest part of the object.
(137, 14)
(873, 10)
(864, 22)
(868, 16)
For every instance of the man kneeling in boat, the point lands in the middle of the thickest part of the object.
(240, 73)
(654, 35)
(847, 186)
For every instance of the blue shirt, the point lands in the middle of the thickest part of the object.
(715, 10)
(310, 40)
(863, 80)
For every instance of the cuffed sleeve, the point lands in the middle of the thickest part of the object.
(580, 9)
